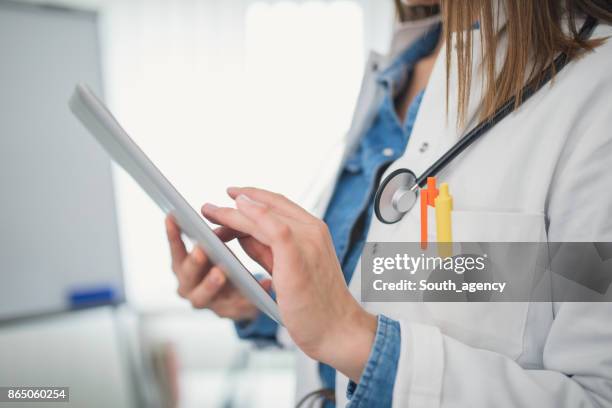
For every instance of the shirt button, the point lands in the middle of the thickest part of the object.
(388, 152)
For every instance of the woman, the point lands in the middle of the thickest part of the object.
(533, 177)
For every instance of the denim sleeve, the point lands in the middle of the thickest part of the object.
(375, 388)
(261, 329)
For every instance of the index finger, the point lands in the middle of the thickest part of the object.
(281, 204)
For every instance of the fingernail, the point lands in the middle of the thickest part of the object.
(249, 201)
(210, 207)
(232, 190)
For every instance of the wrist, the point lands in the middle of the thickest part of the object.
(348, 347)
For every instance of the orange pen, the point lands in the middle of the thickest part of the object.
(428, 197)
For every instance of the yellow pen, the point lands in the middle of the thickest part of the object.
(444, 208)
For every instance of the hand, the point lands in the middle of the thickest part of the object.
(317, 309)
(205, 285)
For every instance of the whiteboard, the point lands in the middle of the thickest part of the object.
(59, 245)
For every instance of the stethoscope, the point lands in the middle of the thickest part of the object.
(399, 191)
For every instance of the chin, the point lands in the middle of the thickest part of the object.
(420, 2)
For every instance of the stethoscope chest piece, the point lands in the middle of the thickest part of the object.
(396, 195)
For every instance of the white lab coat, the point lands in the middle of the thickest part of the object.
(543, 173)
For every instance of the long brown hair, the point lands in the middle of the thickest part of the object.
(536, 32)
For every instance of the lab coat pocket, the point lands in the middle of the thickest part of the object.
(495, 326)
(484, 226)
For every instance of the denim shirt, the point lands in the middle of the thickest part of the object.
(348, 217)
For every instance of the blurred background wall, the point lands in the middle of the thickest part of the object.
(217, 93)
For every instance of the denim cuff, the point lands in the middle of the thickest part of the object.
(261, 328)
(375, 388)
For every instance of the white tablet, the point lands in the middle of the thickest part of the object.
(107, 131)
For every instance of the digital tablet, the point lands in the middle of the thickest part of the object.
(96, 117)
